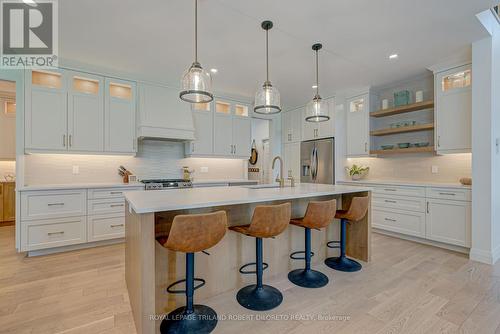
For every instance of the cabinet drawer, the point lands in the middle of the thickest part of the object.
(111, 192)
(410, 223)
(446, 193)
(399, 191)
(53, 204)
(40, 234)
(399, 202)
(100, 206)
(104, 227)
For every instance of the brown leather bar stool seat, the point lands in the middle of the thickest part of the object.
(268, 221)
(318, 215)
(191, 234)
(356, 212)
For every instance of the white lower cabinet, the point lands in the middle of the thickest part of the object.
(400, 221)
(50, 233)
(449, 222)
(56, 218)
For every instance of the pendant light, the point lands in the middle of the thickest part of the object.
(196, 84)
(267, 98)
(317, 109)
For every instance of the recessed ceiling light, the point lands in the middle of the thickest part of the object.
(314, 87)
(213, 70)
(394, 56)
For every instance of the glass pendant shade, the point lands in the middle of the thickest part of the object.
(196, 85)
(267, 100)
(317, 110)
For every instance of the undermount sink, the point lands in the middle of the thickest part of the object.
(263, 186)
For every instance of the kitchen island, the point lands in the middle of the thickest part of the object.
(150, 268)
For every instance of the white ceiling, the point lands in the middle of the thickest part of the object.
(154, 38)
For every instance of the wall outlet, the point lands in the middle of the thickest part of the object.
(203, 169)
(76, 170)
(434, 169)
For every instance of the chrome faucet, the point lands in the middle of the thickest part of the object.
(280, 178)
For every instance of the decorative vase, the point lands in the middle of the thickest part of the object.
(356, 177)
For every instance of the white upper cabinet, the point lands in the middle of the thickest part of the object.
(162, 114)
(85, 112)
(291, 156)
(453, 111)
(46, 110)
(242, 134)
(223, 135)
(358, 125)
(203, 130)
(292, 126)
(119, 116)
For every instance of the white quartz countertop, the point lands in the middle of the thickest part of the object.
(78, 186)
(180, 199)
(407, 183)
(224, 181)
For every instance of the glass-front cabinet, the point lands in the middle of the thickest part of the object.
(358, 126)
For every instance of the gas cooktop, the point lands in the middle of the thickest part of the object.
(159, 184)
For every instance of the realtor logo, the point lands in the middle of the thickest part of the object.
(29, 34)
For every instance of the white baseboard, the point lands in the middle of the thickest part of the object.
(454, 248)
(496, 254)
(74, 247)
(481, 255)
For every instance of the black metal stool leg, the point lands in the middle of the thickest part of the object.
(190, 318)
(307, 277)
(259, 297)
(342, 263)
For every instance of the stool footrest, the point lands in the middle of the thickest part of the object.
(330, 244)
(293, 257)
(247, 272)
(170, 290)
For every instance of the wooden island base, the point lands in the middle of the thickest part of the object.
(150, 268)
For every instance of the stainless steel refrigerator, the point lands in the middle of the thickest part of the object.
(317, 163)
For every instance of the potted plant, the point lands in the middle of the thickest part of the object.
(357, 172)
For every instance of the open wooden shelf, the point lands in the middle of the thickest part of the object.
(403, 129)
(404, 150)
(403, 109)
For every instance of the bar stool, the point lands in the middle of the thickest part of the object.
(190, 234)
(356, 212)
(268, 221)
(318, 215)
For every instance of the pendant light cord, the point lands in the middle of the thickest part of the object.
(317, 74)
(267, 55)
(196, 31)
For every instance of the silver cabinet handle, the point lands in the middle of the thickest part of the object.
(64, 140)
(117, 225)
(427, 207)
(389, 189)
(116, 205)
(70, 140)
(447, 194)
(234, 149)
(366, 147)
(390, 220)
(116, 192)
(192, 147)
(388, 201)
(54, 233)
(55, 204)
(439, 141)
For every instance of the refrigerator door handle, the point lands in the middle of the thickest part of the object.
(312, 164)
(316, 163)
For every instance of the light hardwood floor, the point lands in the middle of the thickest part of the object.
(407, 288)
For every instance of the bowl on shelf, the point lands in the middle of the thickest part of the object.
(422, 144)
(403, 145)
(387, 147)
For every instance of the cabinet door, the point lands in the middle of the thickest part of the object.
(292, 161)
(119, 116)
(296, 125)
(9, 202)
(203, 127)
(85, 113)
(454, 110)
(449, 222)
(309, 129)
(327, 128)
(46, 111)
(286, 126)
(358, 143)
(223, 135)
(242, 136)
